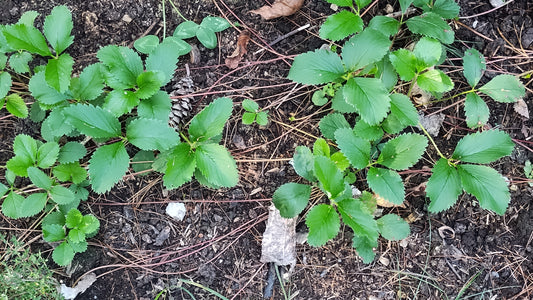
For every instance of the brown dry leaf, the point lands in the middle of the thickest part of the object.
(235, 58)
(385, 203)
(280, 8)
(521, 108)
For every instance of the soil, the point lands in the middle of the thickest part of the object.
(142, 253)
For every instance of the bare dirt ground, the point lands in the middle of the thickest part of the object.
(140, 252)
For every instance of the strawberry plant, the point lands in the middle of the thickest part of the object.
(253, 113)
(114, 107)
(367, 79)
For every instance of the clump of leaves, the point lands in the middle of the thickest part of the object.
(204, 32)
(253, 113)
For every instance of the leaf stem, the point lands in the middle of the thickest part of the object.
(177, 10)
(432, 141)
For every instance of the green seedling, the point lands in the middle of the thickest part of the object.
(253, 113)
(528, 171)
(205, 32)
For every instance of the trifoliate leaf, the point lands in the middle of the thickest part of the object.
(368, 132)
(12, 205)
(330, 123)
(386, 25)
(324, 224)
(291, 199)
(186, 30)
(19, 61)
(217, 165)
(358, 218)
(16, 106)
(483, 147)
(53, 232)
(402, 114)
(303, 163)
(443, 187)
(369, 97)
(151, 134)
(386, 183)
(476, 110)
(47, 155)
(329, 176)
(428, 51)
(365, 247)
(473, 66)
(163, 59)
(393, 228)
(211, 120)
(61, 195)
(107, 166)
(122, 62)
(487, 185)
(89, 85)
(5, 85)
(403, 152)
(504, 88)
(57, 28)
(216, 24)
(404, 61)
(70, 172)
(71, 152)
(92, 120)
(39, 178)
(341, 25)
(356, 149)
(63, 254)
(156, 107)
(431, 25)
(146, 44)
(73, 218)
(434, 81)
(320, 66)
(41, 91)
(365, 48)
(321, 147)
(25, 37)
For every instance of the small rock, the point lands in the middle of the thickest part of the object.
(162, 236)
(126, 18)
(146, 238)
(176, 210)
(497, 3)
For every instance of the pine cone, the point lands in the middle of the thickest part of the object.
(181, 107)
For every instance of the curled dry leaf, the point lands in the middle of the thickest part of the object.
(235, 58)
(520, 107)
(280, 8)
(380, 201)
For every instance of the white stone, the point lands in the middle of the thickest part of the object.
(176, 210)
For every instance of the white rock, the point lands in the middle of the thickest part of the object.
(497, 3)
(176, 210)
(71, 293)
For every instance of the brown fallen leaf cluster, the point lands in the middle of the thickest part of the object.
(280, 8)
(235, 58)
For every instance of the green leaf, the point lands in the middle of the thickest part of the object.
(431, 25)
(92, 120)
(4, 189)
(250, 105)
(386, 183)
(53, 232)
(142, 161)
(402, 114)
(211, 120)
(356, 149)
(216, 24)
(448, 9)
(47, 155)
(24, 37)
(28, 18)
(339, 104)
(207, 37)
(19, 165)
(78, 247)
(39, 178)
(25, 146)
(164, 59)
(403, 152)
(404, 62)
(12, 205)
(341, 162)
(365, 48)
(71, 152)
(19, 61)
(487, 185)
(362, 3)
(73, 218)
(248, 118)
(37, 114)
(149, 83)
(120, 102)
(365, 248)
(476, 110)
(70, 172)
(473, 66)
(443, 187)
(320, 66)
(291, 199)
(368, 132)
(180, 46)
(330, 123)
(386, 25)
(404, 5)
(341, 3)
(5, 85)
(435, 81)
(262, 118)
(330, 177)
(428, 51)
(393, 228)
(54, 126)
(61, 195)
(319, 98)
(369, 97)
(321, 147)
(57, 28)
(151, 134)
(324, 224)
(155, 107)
(63, 254)
(358, 218)
(107, 166)
(41, 91)
(217, 165)
(123, 63)
(146, 44)
(186, 30)
(75, 236)
(483, 147)
(504, 88)
(89, 85)
(32, 205)
(303, 163)
(340, 25)
(16, 106)
(89, 224)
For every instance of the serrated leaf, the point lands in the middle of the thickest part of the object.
(392, 227)
(73, 218)
(146, 44)
(92, 120)
(303, 163)
(203, 180)
(207, 37)
(19, 61)
(250, 105)
(41, 91)
(448, 9)
(365, 48)
(71, 152)
(358, 218)
(368, 132)
(16, 106)
(25, 146)
(156, 107)
(324, 224)
(28, 17)
(76, 236)
(320, 66)
(89, 224)
(340, 161)
(63, 254)
(151, 134)
(483, 147)
(473, 66)
(291, 199)
(3, 189)
(37, 114)
(12, 205)
(211, 120)
(57, 28)
(434, 81)
(339, 104)
(120, 102)
(428, 51)
(504, 88)
(402, 114)
(262, 118)
(53, 232)
(476, 110)
(149, 83)
(404, 5)
(330, 123)
(443, 187)
(404, 62)
(70, 172)
(403, 152)
(216, 24)
(329, 176)
(89, 85)
(365, 248)
(54, 126)
(369, 97)
(164, 59)
(386, 183)
(5, 85)
(123, 63)
(78, 247)
(356, 149)
(32, 205)
(341, 25)
(487, 185)
(47, 155)
(39, 178)
(386, 25)
(19, 165)
(321, 147)
(61, 195)
(431, 25)
(24, 37)
(217, 165)
(186, 30)
(10, 176)
(107, 166)
(142, 161)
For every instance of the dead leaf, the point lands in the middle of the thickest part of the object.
(235, 58)
(280, 8)
(386, 203)
(521, 108)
